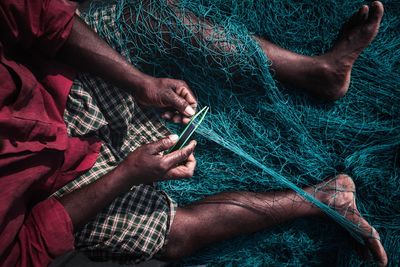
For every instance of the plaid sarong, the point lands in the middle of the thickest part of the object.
(135, 226)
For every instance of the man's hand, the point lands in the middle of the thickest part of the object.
(172, 94)
(85, 51)
(148, 164)
(144, 165)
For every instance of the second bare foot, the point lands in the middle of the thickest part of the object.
(336, 65)
(339, 194)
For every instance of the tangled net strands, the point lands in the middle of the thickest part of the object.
(263, 137)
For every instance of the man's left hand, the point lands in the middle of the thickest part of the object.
(175, 95)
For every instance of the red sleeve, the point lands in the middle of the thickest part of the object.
(40, 24)
(46, 234)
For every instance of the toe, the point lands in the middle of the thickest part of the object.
(376, 248)
(359, 16)
(362, 13)
(376, 12)
(373, 242)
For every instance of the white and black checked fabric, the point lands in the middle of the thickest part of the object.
(135, 226)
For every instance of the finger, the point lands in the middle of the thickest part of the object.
(167, 115)
(185, 92)
(163, 144)
(174, 117)
(179, 156)
(183, 171)
(173, 100)
(177, 118)
(180, 172)
(191, 162)
(185, 120)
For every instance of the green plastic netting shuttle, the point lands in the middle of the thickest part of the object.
(189, 129)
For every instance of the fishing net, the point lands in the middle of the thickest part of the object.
(260, 136)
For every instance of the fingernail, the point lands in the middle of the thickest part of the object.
(189, 110)
(173, 137)
(166, 116)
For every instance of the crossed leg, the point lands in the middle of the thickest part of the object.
(215, 218)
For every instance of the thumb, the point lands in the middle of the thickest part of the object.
(180, 104)
(181, 155)
(163, 144)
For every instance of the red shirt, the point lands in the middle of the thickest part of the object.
(36, 155)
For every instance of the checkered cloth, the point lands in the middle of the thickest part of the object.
(135, 226)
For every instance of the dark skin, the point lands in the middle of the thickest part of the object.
(216, 217)
(327, 76)
(145, 165)
(85, 51)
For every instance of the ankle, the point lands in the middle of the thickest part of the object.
(312, 191)
(334, 76)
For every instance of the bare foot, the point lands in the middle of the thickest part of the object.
(356, 34)
(339, 193)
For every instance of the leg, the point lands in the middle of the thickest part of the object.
(216, 218)
(327, 76)
(134, 226)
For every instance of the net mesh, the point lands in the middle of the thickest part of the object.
(262, 137)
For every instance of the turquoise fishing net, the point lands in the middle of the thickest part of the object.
(261, 136)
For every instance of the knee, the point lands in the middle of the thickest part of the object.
(181, 237)
(172, 252)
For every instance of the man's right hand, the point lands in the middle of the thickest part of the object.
(148, 164)
(144, 165)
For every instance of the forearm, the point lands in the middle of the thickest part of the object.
(84, 203)
(86, 51)
(144, 165)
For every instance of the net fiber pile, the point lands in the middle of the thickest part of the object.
(262, 137)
